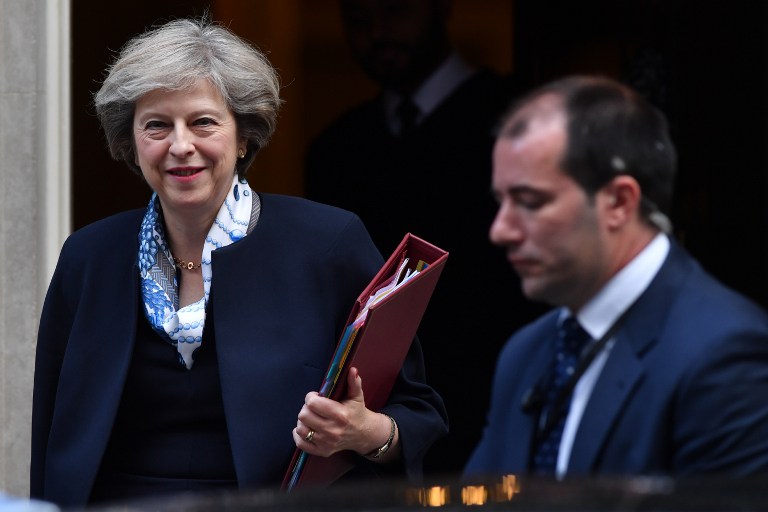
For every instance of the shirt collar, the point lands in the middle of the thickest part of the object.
(621, 291)
(433, 91)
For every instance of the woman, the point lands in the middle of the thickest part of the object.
(178, 343)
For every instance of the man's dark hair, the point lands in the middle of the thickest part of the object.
(611, 130)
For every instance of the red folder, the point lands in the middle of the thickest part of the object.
(376, 342)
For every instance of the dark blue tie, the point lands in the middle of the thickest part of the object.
(570, 342)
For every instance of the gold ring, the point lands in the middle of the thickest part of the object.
(309, 437)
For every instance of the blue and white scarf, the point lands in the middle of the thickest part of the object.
(183, 328)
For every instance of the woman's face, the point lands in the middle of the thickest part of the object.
(186, 147)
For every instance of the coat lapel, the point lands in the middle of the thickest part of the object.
(268, 355)
(624, 369)
(245, 332)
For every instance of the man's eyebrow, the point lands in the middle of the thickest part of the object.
(520, 189)
(516, 190)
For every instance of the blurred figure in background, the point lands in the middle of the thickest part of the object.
(416, 158)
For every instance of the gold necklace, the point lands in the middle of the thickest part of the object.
(186, 264)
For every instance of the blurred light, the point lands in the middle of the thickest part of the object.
(430, 497)
(507, 489)
(474, 495)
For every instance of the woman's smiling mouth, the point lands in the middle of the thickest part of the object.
(184, 171)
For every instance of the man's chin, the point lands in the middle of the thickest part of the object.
(536, 290)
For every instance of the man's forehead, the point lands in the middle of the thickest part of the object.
(538, 124)
(543, 113)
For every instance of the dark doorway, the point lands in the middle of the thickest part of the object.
(101, 186)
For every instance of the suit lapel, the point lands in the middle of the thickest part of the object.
(622, 373)
(624, 369)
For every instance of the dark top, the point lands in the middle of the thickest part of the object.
(168, 421)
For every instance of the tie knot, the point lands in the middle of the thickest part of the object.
(573, 336)
(407, 113)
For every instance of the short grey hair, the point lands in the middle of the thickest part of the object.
(173, 57)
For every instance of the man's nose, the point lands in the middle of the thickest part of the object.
(505, 228)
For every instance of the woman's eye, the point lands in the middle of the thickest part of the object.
(154, 125)
(205, 121)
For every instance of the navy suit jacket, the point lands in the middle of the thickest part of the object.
(281, 297)
(684, 390)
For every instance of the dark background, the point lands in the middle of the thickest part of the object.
(703, 63)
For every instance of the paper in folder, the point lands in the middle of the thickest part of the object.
(376, 340)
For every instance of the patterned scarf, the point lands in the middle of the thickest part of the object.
(183, 327)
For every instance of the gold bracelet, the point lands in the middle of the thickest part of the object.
(378, 452)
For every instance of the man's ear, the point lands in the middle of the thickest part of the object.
(619, 201)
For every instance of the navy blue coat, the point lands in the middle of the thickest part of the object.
(684, 390)
(281, 297)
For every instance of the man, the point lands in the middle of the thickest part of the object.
(425, 169)
(676, 374)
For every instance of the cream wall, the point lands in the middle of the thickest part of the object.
(34, 203)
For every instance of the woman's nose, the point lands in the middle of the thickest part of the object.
(182, 142)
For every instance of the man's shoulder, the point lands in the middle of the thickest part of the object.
(700, 292)
(356, 121)
(497, 84)
(479, 101)
(687, 311)
(708, 305)
(489, 89)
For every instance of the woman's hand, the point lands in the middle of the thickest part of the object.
(326, 426)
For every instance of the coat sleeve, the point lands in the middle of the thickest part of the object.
(418, 410)
(416, 407)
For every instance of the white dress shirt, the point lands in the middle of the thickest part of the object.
(432, 92)
(597, 317)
